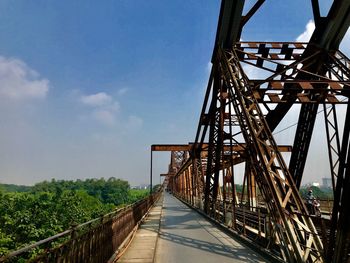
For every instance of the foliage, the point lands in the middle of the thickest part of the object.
(14, 188)
(239, 188)
(320, 193)
(48, 208)
(114, 191)
(156, 188)
(137, 194)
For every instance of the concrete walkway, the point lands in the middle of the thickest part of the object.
(142, 247)
(175, 233)
(185, 236)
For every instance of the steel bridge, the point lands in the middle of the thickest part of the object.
(236, 129)
(235, 137)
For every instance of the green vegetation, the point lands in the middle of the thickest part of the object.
(30, 214)
(156, 188)
(320, 193)
(14, 188)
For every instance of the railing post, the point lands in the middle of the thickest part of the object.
(73, 226)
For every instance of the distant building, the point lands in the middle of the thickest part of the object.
(316, 184)
(327, 182)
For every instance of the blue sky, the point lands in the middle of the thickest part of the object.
(87, 86)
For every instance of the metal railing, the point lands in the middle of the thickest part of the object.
(93, 241)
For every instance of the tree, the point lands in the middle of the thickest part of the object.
(48, 208)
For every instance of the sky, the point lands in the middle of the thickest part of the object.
(86, 87)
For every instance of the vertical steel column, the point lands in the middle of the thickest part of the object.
(188, 185)
(333, 141)
(215, 144)
(198, 172)
(338, 249)
(302, 141)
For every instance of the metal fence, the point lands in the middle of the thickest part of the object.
(93, 241)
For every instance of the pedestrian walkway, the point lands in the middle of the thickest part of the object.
(142, 247)
(186, 236)
(174, 233)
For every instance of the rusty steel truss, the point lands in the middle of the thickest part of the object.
(235, 136)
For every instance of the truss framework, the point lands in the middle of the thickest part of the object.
(238, 118)
(230, 112)
(298, 237)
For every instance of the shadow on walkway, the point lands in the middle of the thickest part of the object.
(238, 253)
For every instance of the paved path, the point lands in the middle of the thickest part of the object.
(175, 233)
(142, 247)
(185, 236)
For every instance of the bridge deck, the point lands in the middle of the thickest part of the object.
(186, 236)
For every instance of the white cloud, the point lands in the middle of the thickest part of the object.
(256, 73)
(19, 81)
(306, 35)
(98, 99)
(104, 106)
(253, 72)
(309, 29)
(104, 116)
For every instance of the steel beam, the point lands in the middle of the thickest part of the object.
(333, 141)
(170, 147)
(189, 147)
(339, 238)
(229, 24)
(215, 147)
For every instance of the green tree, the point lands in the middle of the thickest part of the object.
(48, 208)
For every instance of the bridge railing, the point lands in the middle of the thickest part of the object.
(93, 241)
